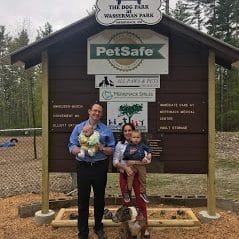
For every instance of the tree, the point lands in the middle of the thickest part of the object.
(21, 115)
(181, 12)
(10, 82)
(20, 40)
(20, 98)
(231, 120)
(44, 31)
(223, 24)
(130, 110)
(196, 9)
(4, 72)
(235, 19)
(4, 41)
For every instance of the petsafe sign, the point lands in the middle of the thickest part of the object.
(117, 12)
(136, 51)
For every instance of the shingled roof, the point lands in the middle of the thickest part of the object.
(226, 54)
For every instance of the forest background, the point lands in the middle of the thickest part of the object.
(20, 98)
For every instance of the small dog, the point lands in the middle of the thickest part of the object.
(133, 222)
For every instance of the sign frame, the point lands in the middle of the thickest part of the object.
(119, 113)
(119, 12)
(127, 48)
(115, 81)
(127, 95)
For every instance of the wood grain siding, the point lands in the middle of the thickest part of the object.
(183, 150)
(70, 86)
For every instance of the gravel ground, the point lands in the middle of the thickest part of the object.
(13, 227)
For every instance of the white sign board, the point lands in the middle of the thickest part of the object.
(142, 81)
(119, 113)
(127, 51)
(127, 94)
(118, 12)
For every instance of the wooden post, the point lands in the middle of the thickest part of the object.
(45, 173)
(211, 200)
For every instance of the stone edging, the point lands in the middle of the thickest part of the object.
(28, 210)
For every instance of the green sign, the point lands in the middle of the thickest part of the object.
(126, 51)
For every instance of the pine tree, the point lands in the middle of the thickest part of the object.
(223, 20)
(45, 31)
(18, 101)
(223, 24)
(197, 9)
(4, 69)
(181, 12)
(235, 20)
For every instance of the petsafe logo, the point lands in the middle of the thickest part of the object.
(131, 51)
(118, 12)
(126, 51)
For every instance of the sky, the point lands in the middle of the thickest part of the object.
(34, 14)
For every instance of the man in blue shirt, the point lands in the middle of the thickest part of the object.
(92, 171)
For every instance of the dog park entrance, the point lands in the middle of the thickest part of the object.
(159, 77)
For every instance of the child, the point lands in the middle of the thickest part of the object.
(89, 141)
(137, 151)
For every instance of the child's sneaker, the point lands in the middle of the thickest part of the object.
(127, 198)
(146, 234)
(144, 197)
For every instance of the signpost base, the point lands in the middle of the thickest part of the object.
(205, 217)
(44, 218)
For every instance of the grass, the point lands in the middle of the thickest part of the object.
(227, 175)
(227, 165)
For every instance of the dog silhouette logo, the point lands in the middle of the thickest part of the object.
(106, 82)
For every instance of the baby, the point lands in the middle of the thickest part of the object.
(135, 151)
(89, 140)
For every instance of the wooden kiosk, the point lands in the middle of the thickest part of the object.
(181, 117)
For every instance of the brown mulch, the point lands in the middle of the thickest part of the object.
(13, 227)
